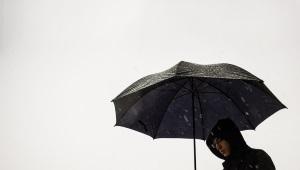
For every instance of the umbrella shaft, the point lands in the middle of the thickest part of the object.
(195, 166)
(194, 130)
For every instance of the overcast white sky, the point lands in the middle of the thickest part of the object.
(62, 61)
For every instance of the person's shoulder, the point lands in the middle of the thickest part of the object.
(262, 159)
(259, 152)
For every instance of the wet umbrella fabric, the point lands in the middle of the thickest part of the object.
(188, 99)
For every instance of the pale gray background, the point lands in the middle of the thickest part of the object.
(62, 61)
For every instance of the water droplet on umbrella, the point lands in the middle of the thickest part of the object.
(243, 99)
(249, 88)
(185, 118)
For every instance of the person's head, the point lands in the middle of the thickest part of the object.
(225, 139)
(222, 146)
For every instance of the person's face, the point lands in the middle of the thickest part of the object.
(222, 146)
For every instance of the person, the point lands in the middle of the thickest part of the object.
(226, 142)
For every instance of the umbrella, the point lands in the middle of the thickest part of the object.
(188, 99)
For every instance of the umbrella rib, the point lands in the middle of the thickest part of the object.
(265, 89)
(136, 102)
(206, 92)
(231, 100)
(183, 87)
(118, 120)
(181, 96)
(168, 107)
(202, 114)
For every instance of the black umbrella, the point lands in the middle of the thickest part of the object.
(188, 99)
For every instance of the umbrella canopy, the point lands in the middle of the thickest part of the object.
(160, 105)
(188, 99)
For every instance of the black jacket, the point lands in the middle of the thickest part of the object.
(242, 157)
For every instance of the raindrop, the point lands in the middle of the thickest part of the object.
(243, 99)
(247, 113)
(250, 166)
(256, 166)
(186, 110)
(185, 118)
(249, 88)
